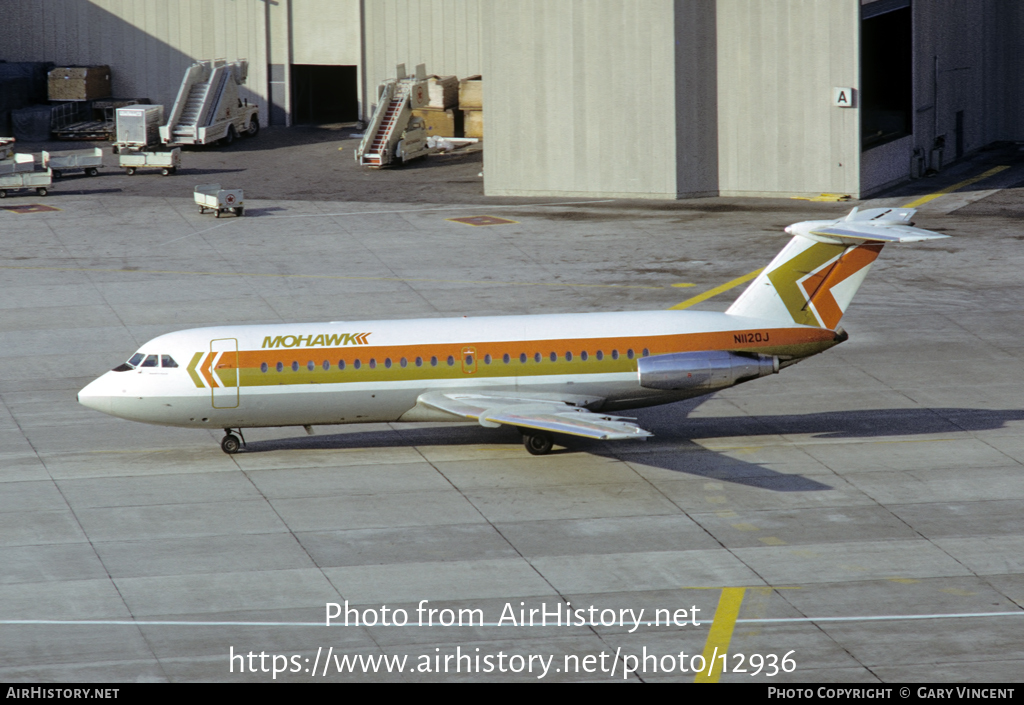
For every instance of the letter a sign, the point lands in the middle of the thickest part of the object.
(842, 97)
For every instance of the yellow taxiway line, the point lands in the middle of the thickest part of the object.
(716, 291)
(955, 187)
(717, 645)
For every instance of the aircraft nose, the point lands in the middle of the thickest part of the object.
(95, 395)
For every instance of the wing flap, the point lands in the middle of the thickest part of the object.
(539, 412)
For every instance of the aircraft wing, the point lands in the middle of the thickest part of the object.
(540, 412)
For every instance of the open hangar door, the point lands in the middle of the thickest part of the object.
(324, 95)
(886, 72)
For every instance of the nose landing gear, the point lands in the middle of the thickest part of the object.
(230, 444)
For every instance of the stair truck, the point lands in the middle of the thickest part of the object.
(394, 136)
(208, 108)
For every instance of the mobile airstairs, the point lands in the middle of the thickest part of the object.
(394, 136)
(208, 108)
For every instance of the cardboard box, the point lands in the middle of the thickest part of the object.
(79, 83)
(444, 92)
(471, 93)
(441, 123)
(474, 121)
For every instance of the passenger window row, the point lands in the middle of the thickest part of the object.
(450, 360)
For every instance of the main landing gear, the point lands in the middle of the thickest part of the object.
(230, 444)
(537, 442)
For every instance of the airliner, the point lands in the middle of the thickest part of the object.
(546, 375)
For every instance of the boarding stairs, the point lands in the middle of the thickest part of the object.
(207, 103)
(393, 134)
(394, 103)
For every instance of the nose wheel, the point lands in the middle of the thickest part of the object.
(231, 444)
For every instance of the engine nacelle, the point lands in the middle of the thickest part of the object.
(704, 371)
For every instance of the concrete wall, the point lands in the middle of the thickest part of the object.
(778, 133)
(327, 32)
(148, 45)
(580, 98)
(442, 34)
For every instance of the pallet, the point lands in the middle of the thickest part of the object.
(89, 130)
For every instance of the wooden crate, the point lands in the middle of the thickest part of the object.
(444, 92)
(441, 123)
(79, 83)
(471, 93)
(474, 123)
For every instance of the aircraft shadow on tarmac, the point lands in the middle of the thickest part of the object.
(674, 445)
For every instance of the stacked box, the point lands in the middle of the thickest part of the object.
(471, 93)
(474, 123)
(79, 83)
(444, 92)
(441, 123)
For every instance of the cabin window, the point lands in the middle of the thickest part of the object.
(522, 358)
(536, 357)
(263, 367)
(403, 362)
(646, 352)
(615, 354)
(327, 365)
(554, 357)
(568, 357)
(505, 358)
(357, 364)
(600, 355)
(433, 361)
(469, 360)
(629, 353)
(487, 359)
(295, 365)
(584, 356)
(341, 364)
(280, 366)
(373, 363)
(451, 361)
(310, 365)
(387, 363)
(150, 361)
(419, 362)
(167, 361)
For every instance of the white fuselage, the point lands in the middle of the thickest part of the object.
(375, 371)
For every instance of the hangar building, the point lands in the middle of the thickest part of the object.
(614, 98)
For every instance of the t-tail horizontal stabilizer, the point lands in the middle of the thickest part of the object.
(814, 278)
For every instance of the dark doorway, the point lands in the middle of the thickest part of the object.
(886, 61)
(322, 95)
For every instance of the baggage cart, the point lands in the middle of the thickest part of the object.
(89, 162)
(19, 180)
(213, 197)
(166, 162)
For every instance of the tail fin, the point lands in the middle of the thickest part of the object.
(814, 278)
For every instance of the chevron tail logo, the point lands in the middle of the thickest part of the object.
(806, 282)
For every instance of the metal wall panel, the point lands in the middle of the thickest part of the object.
(442, 34)
(580, 98)
(148, 45)
(326, 32)
(778, 132)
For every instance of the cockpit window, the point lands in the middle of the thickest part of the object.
(123, 367)
(150, 361)
(167, 361)
(136, 359)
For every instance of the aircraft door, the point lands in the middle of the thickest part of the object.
(225, 392)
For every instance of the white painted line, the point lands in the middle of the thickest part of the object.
(410, 210)
(439, 208)
(780, 620)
